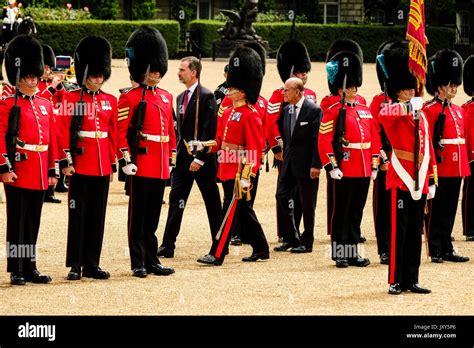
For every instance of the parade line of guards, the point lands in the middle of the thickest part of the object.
(417, 154)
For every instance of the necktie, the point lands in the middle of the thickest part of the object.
(185, 101)
(293, 120)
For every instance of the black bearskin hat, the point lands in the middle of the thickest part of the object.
(49, 58)
(146, 47)
(245, 73)
(380, 73)
(445, 67)
(94, 52)
(342, 64)
(395, 64)
(292, 56)
(26, 51)
(429, 77)
(258, 47)
(344, 45)
(468, 76)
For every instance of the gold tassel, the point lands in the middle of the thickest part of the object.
(237, 187)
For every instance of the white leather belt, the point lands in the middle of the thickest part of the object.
(455, 141)
(358, 146)
(156, 138)
(35, 148)
(93, 135)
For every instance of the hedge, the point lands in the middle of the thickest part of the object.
(318, 37)
(63, 36)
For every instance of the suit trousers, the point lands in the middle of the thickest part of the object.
(87, 207)
(23, 222)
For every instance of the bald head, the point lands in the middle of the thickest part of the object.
(296, 83)
(294, 90)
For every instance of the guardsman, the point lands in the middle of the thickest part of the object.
(87, 129)
(380, 195)
(407, 201)
(447, 129)
(222, 90)
(29, 157)
(331, 99)
(239, 141)
(147, 146)
(468, 189)
(292, 61)
(349, 150)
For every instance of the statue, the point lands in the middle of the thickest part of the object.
(239, 26)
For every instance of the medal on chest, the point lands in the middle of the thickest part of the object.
(236, 117)
(105, 105)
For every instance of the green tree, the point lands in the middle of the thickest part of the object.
(104, 9)
(144, 9)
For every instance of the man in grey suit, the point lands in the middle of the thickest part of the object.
(301, 166)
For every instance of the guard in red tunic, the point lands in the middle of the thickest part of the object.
(408, 197)
(447, 129)
(292, 61)
(147, 146)
(349, 150)
(28, 163)
(381, 196)
(239, 141)
(468, 189)
(87, 127)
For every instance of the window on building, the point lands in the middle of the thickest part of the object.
(462, 25)
(204, 9)
(330, 12)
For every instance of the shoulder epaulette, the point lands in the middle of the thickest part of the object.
(127, 89)
(333, 105)
(251, 107)
(429, 103)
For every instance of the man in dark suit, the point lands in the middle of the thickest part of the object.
(201, 165)
(301, 166)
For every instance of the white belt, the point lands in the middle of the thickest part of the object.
(358, 146)
(93, 135)
(455, 141)
(35, 148)
(156, 138)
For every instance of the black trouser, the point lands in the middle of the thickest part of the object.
(23, 222)
(405, 240)
(253, 194)
(304, 190)
(349, 197)
(144, 208)
(468, 204)
(381, 211)
(251, 232)
(329, 200)
(441, 215)
(87, 207)
(182, 183)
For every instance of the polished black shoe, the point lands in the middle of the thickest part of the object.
(300, 249)
(51, 199)
(165, 252)
(415, 288)
(470, 239)
(158, 269)
(284, 247)
(17, 279)
(342, 263)
(209, 259)
(263, 255)
(95, 272)
(61, 188)
(235, 241)
(139, 272)
(395, 289)
(38, 278)
(436, 259)
(454, 257)
(358, 262)
(384, 259)
(74, 273)
(362, 239)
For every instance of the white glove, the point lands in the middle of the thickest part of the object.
(416, 103)
(130, 169)
(336, 174)
(197, 145)
(374, 174)
(244, 183)
(431, 192)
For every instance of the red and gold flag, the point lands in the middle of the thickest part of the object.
(417, 42)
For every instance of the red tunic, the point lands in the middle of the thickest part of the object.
(52, 94)
(158, 122)
(469, 121)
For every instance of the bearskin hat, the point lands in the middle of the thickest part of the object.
(245, 73)
(395, 66)
(94, 52)
(26, 51)
(49, 58)
(429, 77)
(343, 64)
(445, 67)
(468, 75)
(258, 47)
(146, 47)
(292, 56)
(344, 45)
(379, 56)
